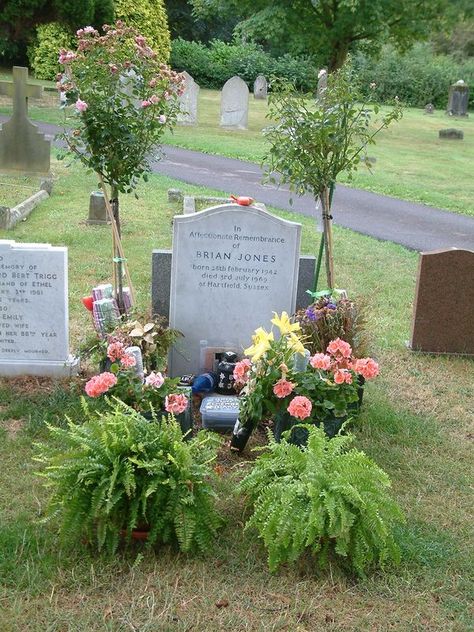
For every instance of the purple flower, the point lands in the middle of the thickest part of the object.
(310, 314)
(331, 306)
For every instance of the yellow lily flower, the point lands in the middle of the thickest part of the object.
(296, 344)
(283, 323)
(261, 343)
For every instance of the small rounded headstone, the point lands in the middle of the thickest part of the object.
(451, 134)
(429, 108)
(174, 195)
(97, 209)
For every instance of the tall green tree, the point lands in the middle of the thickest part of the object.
(330, 29)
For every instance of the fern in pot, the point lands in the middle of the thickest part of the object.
(116, 473)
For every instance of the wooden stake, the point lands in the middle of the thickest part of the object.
(327, 223)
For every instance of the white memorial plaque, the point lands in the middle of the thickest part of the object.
(233, 266)
(34, 328)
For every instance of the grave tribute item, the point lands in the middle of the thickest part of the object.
(232, 267)
(235, 104)
(443, 315)
(188, 102)
(34, 326)
(260, 88)
(458, 99)
(23, 148)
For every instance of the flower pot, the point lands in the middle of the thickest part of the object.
(184, 419)
(240, 436)
(354, 407)
(299, 436)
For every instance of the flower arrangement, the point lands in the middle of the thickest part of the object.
(282, 380)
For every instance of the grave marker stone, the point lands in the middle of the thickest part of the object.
(232, 267)
(429, 108)
(260, 88)
(451, 134)
(322, 85)
(235, 104)
(23, 148)
(34, 325)
(97, 209)
(443, 315)
(458, 99)
(188, 102)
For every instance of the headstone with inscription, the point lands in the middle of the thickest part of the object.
(23, 148)
(458, 99)
(34, 326)
(232, 267)
(235, 103)
(260, 87)
(188, 102)
(443, 316)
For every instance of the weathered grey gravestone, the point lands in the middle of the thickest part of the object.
(451, 134)
(23, 148)
(232, 267)
(34, 325)
(458, 99)
(235, 104)
(260, 88)
(97, 209)
(443, 315)
(429, 108)
(322, 84)
(188, 102)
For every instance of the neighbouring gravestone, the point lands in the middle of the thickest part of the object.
(23, 148)
(34, 325)
(260, 87)
(429, 108)
(188, 102)
(451, 134)
(322, 84)
(97, 209)
(235, 104)
(458, 99)
(232, 267)
(443, 315)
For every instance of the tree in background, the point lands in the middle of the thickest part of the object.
(330, 29)
(184, 23)
(149, 17)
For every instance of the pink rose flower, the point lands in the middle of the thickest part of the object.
(367, 367)
(154, 99)
(146, 103)
(283, 388)
(100, 384)
(66, 56)
(175, 403)
(162, 119)
(320, 361)
(241, 371)
(154, 379)
(339, 348)
(300, 407)
(81, 106)
(115, 351)
(127, 361)
(152, 83)
(342, 375)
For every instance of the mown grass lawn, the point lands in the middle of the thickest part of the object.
(416, 423)
(412, 162)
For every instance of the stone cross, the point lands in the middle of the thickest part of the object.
(22, 147)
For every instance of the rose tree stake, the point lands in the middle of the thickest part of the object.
(123, 100)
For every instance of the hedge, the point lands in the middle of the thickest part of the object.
(43, 53)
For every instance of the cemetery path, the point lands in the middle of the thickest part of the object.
(412, 225)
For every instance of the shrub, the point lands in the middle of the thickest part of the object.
(323, 499)
(149, 18)
(117, 472)
(43, 54)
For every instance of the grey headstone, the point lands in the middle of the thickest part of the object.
(188, 102)
(189, 204)
(232, 267)
(458, 99)
(451, 134)
(174, 195)
(260, 87)
(23, 148)
(429, 108)
(235, 104)
(322, 84)
(34, 322)
(97, 209)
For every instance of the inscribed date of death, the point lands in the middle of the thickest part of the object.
(234, 277)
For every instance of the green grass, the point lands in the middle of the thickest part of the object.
(415, 424)
(412, 163)
(15, 189)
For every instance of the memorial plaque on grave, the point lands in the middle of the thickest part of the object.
(23, 148)
(235, 103)
(443, 316)
(232, 267)
(34, 327)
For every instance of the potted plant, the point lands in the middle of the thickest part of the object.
(322, 390)
(114, 472)
(325, 499)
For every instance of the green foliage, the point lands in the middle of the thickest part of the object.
(417, 77)
(324, 499)
(116, 472)
(149, 18)
(212, 65)
(44, 52)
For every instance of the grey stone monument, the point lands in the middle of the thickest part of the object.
(458, 99)
(34, 324)
(322, 85)
(235, 104)
(23, 148)
(232, 267)
(260, 88)
(97, 209)
(188, 102)
(429, 108)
